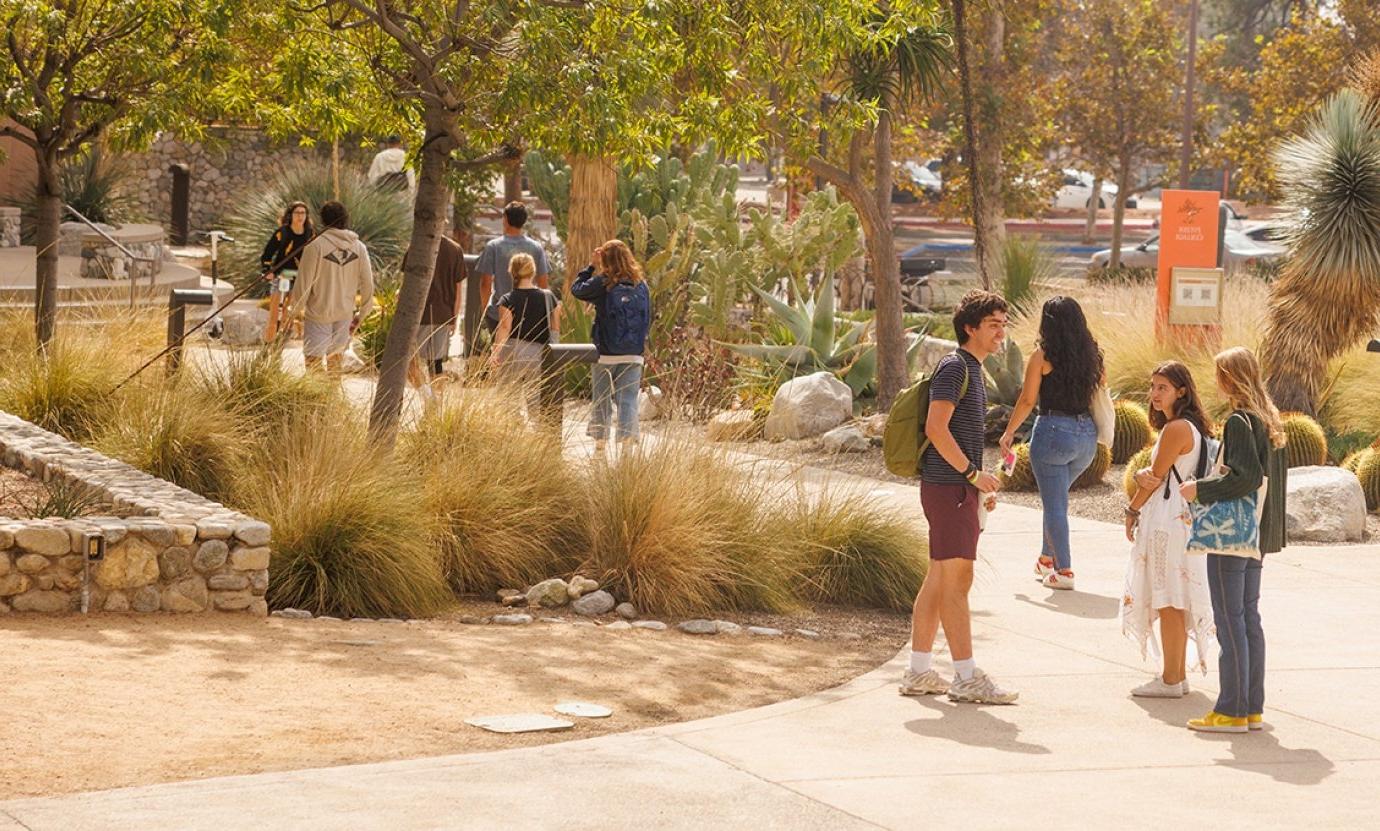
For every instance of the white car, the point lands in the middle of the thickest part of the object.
(1241, 250)
(920, 181)
(1076, 192)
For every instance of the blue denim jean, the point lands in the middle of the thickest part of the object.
(1061, 448)
(1234, 583)
(615, 386)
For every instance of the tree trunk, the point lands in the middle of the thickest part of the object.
(512, 181)
(1306, 328)
(46, 234)
(892, 372)
(428, 217)
(1123, 187)
(1090, 227)
(992, 214)
(593, 210)
(970, 156)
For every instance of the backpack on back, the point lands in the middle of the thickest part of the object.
(903, 440)
(627, 317)
(395, 181)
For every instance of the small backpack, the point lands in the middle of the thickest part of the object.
(627, 317)
(395, 181)
(903, 440)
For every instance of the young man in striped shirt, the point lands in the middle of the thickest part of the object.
(952, 482)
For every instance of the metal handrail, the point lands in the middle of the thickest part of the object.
(153, 277)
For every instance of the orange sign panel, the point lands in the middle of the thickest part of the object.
(1188, 237)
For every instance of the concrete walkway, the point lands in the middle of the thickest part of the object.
(1076, 751)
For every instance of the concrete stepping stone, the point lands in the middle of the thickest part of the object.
(520, 723)
(582, 709)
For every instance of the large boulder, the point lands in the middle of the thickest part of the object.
(807, 406)
(649, 403)
(244, 327)
(549, 594)
(1324, 504)
(846, 439)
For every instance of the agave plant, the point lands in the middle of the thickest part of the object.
(1327, 297)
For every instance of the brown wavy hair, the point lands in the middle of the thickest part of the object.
(1239, 376)
(287, 215)
(1189, 407)
(619, 264)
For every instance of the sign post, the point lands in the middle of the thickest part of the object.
(1189, 235)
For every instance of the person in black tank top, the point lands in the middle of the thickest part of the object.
(1063, 374)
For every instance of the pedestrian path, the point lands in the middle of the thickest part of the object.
(1077, 750)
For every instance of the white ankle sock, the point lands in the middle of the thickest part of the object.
(964, 668)
(920, 662)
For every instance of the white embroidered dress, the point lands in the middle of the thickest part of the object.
(1163, 574)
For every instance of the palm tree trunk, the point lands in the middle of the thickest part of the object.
(892, 374)
(593, 210)
(428, 217)
(46, 234)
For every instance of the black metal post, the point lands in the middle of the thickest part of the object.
(181, 203)
(473, 310)
(178, 301)
(554, 361)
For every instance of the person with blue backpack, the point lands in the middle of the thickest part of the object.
(614, 285)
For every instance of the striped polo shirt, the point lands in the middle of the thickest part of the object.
(969, 422)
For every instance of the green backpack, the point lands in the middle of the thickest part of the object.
(904, 440)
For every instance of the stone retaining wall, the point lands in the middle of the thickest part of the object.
(175, 552)
(9, 226)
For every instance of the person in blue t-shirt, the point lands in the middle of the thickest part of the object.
(492, 267)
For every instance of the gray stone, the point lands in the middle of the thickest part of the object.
(726, 627)
(249, 559)
(258, 582)
(732, 425)
(808, 633)
(116, 602)
(258, 607)
(147, 599)
(808, 406)
(511, 620)
(14, 584)
(627, 611)
(228, 582)
(845, 439)
(50, 542)
(214, 529)
(594, 603)
(618, 626)
(520, 723)
(244, 327)
(186, 534)
(232, 601)
(649, 404)
(473, 620)
(211, 555)
(764, 631)
(550, 594)
(174, 563)
(698, 627)
(31, 563)
(580, 586)
(253, 533)
(293, 614)
(1324, 504)
(333, 619)
(47, 602)
(186, 595)
(654, 625)
(514, 600)
(162, 536)
(504, 594)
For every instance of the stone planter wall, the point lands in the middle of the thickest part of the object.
(177, 552)
(102, 260)
(9, 227)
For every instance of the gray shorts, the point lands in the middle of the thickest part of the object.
(322, 339)
(433, 341)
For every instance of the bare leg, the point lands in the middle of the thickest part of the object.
(924, 616)
(1174, 637)
(958, 624)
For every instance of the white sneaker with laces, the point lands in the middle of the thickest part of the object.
(1058, 580)
(981, 689)
(928, 682)
(1156, 688)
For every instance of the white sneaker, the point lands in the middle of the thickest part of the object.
(1042, 570)
(1057, 580)
(1156, 688)
(980, 689)
(928, 682)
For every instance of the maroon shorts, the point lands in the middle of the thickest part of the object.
(952, 514)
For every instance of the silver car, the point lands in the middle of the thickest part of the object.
(1241, 250)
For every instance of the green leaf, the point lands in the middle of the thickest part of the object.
(822, 329)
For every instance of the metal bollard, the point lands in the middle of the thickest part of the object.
(474, 309)
(181, 203)
(178, 301)
(553, 363)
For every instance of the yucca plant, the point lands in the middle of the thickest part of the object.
(1328, 296)
(1024, 265)
(92, 182)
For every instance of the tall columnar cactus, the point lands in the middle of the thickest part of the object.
(1022, 476)
(1135, 463)
(1132, 430)
(1368, 471)
(1101, 463)
(1307, 441)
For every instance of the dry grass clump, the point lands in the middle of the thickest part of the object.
(508, 507)
(351, 536)
(259, 390)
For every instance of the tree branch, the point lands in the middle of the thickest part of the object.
(20, 136)
(505, 153)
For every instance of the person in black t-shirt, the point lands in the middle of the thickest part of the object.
(281, 256)
(527, 322)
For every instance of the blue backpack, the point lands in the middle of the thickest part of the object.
(627, 317)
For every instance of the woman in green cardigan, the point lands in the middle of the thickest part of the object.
(1252, 450)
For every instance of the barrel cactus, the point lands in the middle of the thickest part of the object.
(1353, 460)
(1022, 476)
(1132, 430)
(1101, 463)
(1135, 463)
(1368, 471)
(1307, 441)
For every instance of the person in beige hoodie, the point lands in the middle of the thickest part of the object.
(335, 289)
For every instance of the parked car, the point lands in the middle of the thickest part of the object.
(915, 181)
(1076, 192)
(1240, 251)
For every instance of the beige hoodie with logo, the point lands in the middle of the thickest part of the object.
(334, 271)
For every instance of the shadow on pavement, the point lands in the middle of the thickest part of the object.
(1176, 712)
(1076, 603)
(1262, 753)
(970, 724)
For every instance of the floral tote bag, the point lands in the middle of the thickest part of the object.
(1229, 526)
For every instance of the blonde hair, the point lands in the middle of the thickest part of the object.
(1239, 376)
(619, 264)
(522, 267)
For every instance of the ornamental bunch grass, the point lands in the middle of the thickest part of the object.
(507, 505)
(258, 390)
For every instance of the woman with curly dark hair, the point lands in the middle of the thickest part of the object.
(1061, 377)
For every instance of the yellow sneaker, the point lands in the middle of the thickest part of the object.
(1255, 721)
(1215, 722)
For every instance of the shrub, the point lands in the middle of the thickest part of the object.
(1132, 430)
(257, 389)
(66, 389)
(61, 498)
(1307, 443)
(1025, 264)
(854, 552)
(351, 537)
(1101, 463)
(1368, 472)
(1342, 445)
(1022, 476)
(93, 183)
(1140, 460)
(1122, 276)
(508, 506)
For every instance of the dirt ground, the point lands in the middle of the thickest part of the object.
(112, 701)
(18, 491)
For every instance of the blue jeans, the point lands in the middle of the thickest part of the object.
(615, 385)
(1061, 448)
(1234, 583)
